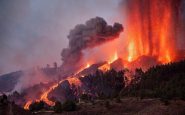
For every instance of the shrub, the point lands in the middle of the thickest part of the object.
(3, 100)
(36, 106)
(84, 97)
(107, 104)
(69, 106)
(118, 100)
(58, 107)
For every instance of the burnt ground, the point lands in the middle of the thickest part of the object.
(127, 106)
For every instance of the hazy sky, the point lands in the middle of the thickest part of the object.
(33, 32)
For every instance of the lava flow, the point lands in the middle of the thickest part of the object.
(28, 103)
(44, 96)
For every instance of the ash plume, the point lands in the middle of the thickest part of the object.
(94, 32)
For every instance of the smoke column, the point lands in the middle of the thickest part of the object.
(93, 33)
(152, 28)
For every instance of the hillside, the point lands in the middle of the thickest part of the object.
(163, 81)
(8, 81)
(158, 91)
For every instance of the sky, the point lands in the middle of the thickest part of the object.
(34, 32)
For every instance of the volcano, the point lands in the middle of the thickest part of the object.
(101, 59)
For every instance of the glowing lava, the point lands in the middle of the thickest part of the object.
(131, 51)
(44, 96)
(115, 57)
(28, 103)
(75, 81)
(105, 67)
(88, 65)
(151, 28)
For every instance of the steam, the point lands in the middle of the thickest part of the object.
(93, 33)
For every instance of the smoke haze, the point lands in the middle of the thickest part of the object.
(33, 32)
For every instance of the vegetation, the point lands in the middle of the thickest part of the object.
(37, 106)
(85, 97)
(3, 100)
(58, 107)
(69, 106)
(103, 84)
(66, 106)
(163, 81)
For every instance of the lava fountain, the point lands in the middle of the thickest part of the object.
(151, 28)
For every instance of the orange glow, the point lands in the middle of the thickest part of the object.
(88, 65)
(44, 96)
(150, 29)
(28, 103)
(74, 81)
(130, 51)
(115, 57)
(104, 67)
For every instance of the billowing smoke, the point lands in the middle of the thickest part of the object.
(94, 32)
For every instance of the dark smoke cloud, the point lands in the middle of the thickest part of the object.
(94, 32)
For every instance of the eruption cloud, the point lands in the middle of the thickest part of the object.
(93, 33)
